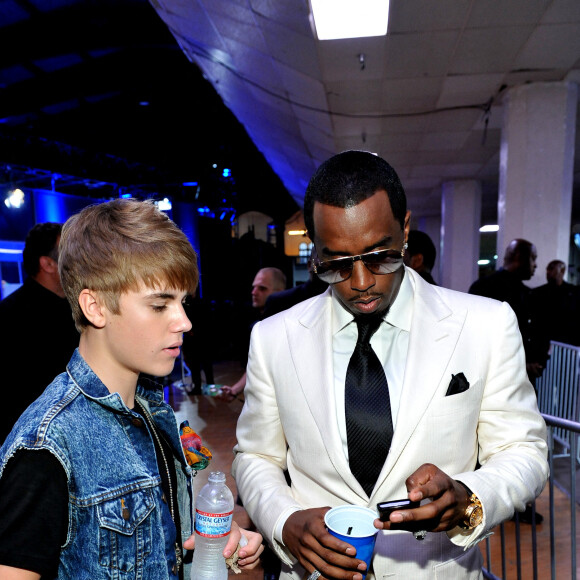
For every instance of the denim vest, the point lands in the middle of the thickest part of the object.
(120, 525)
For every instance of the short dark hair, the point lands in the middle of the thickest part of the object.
(518, 249)
(420, 243)
(349, 178)
(41, 240)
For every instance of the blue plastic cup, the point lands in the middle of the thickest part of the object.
(354, 525)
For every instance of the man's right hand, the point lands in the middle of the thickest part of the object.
(227, 393)
(306, 536)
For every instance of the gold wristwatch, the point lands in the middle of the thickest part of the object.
(473, 512)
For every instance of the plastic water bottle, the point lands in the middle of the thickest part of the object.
(213, 521)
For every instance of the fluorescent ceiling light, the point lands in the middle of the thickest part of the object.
(349, 18)
(489, 228)
(483, 262)
(297, 232)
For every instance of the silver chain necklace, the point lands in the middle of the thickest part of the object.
(149, 420)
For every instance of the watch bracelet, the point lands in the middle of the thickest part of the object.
(474, 503)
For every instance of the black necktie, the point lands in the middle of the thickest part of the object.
(369, 426)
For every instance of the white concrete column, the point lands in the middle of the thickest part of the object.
(461, 216)
(536, 170)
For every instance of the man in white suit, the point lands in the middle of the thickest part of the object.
(467, 440)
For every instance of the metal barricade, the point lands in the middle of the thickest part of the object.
(530, 551)
(558, 391)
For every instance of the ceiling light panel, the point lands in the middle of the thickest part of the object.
(334, 19)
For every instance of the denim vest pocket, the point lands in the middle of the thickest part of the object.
(125, 530)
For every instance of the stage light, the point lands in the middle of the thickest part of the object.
(164, 204)
(15, 199)
(489, 228)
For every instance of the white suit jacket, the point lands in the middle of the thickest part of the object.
(289, 421)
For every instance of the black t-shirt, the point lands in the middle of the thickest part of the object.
(33, 512)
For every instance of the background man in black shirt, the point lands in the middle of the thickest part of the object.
(38, 333)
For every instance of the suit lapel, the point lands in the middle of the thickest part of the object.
(310, 339)
(435, 330)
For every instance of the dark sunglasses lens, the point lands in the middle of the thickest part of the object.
(334, 271)
(383, 262)
(380, 262)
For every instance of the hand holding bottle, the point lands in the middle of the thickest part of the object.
(213, 524)
(249, 554)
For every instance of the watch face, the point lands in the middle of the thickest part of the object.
(476, 517)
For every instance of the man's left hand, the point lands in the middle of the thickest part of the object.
(449, 500)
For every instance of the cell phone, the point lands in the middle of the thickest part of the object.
(386, 508)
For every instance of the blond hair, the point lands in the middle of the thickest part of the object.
(113, 247)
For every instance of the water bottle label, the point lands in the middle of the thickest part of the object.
(213, 525)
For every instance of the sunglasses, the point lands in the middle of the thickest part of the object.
(377, 262)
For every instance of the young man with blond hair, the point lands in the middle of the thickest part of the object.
(93, 480)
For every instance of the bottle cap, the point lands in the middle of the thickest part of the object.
(217, 476)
